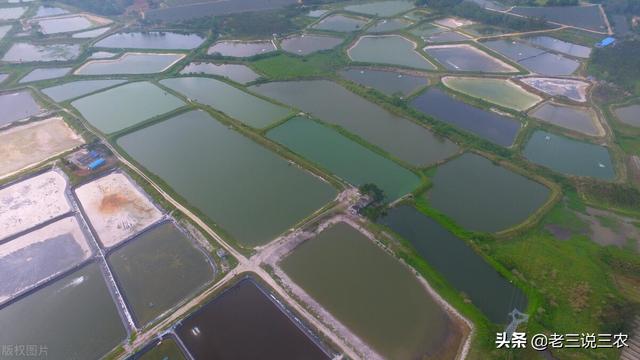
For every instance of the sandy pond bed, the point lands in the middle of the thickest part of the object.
(116, 208)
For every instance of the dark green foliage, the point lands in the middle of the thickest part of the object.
(102, 7)
(627, 7)
(619, 64)
(620, 196)
(377, 207)
(438, 4)
(475, 12)
(259, 24)
(561, 2)
(372, 190)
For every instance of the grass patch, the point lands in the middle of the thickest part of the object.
(286, 67)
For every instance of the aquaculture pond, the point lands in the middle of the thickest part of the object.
(245, 323)
(151, 40)
(575, 90)
(130, 63)
(340, 23)
(385, 81)
(491, 126)
(344, 157)
(629, 115)
(561, 46)
(90, 33)
(582, 120)
(498, 91)
(75, 89)
(73, 318)
(124, 106)
(30, 259)
(587, 17)
(64, 24)
(12, 13)
(464, 57)
(536, 60)
(457, 262)
(199, 9)
(398, 51)
(387, 25)
(230, 100)
(569, 156)
(426, 29)
(44, 74)
(377, 297)
(25, 52)
(334, 104)
(247, 190)
(241, 48)
(305, 44)
(236, 72)
(158, 270)
(44, 11)
(381, 8)
(4, 30)
(482, 196)
(445, 36)
(17, 106)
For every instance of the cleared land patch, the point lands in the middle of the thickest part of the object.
(575, 90)
(32, 201)
(116, 208)
(27, 145)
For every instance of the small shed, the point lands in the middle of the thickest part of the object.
(606, 42)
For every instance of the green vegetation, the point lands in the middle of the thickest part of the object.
(376, 205)
(102, 7)
(473, 11)
(285, 67)
(622, 197)
(619, 64)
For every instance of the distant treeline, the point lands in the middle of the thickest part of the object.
(627, 7)
(475, 12)
(619, 64)
(102, 7)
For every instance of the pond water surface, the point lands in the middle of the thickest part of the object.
(340, 23)
(17, 106)
(45, 74)
(465, 57)
(75, 89)
(130, 63)
(583, 120)
(629, 115)
(381, 8)
(397, 51)
(152, 40)
(241, 48)
(305, 44)
(388, 82)
(25, 52)
(236, 72)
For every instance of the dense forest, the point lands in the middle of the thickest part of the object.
(619, 64)
(627, 7)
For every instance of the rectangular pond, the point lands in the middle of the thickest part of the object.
(344, 157)
(458, 263)
(12, 13)
(388, 82)
(389, 25)
(305, 44)
(245, 323)
(235, 72)
(165, 40)
(17, 106)
(62, 24)
(498, 91)
(482, 196)
(45, 74)
(534, 59)
(340, 23)
(124, 106)
(72, 318)
(158, 270)
(37, 256)
(388, 50)
(499, 129)
(583, 16)
(249, 191)
(200, 9)
(629, 115)
(242, 49)
(334, 104)
(558, 45)
(575, 90)
(381, 8)
(27, 145)
(76, 89)
(580, 119)
(233, 102)
(568, 156)
(376, 297)
(26, 52)
(464, 57)
(130, 63)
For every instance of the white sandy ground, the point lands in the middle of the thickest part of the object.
(505, 66)
(534, 99)
(28, 145)
(116, 208)
(557, 87)
(280, 248)
(124, 57)
(31, 202)
(453, 22)
(61, 227)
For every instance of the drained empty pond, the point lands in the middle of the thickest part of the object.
(460, 265)
(377, 298)
(388, 82)
(398, 50)
(232, 101)
(344, 157)
(74, 317)
(124, 106)
(334, 104)
(569, 156)
(244, 323)
(482, 196)
(499, 129)
(159, 269)
(246, 189)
